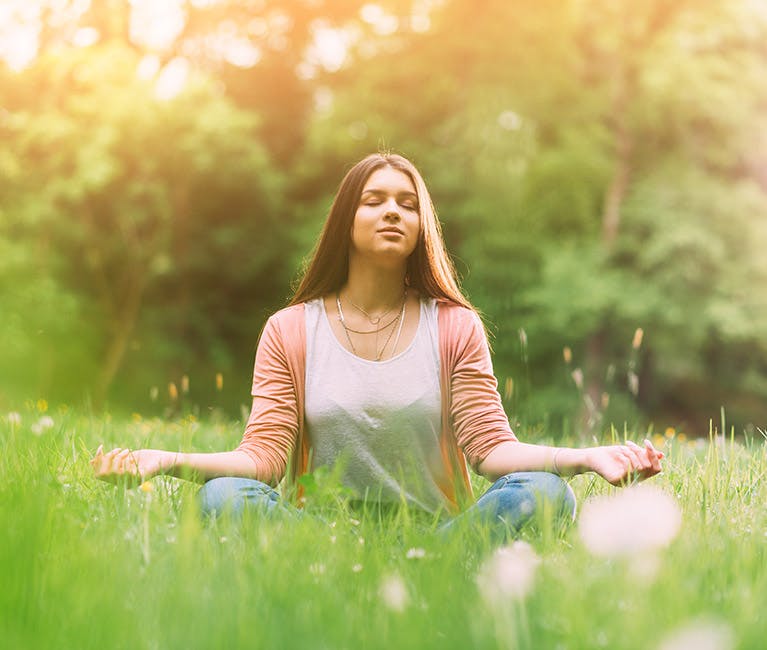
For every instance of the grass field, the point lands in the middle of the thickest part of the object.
(88, 565)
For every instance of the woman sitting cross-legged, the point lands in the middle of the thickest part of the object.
(381, 362)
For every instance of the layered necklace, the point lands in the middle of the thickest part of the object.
(395, 324)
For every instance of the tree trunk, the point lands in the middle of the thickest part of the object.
(596, 363)
(123, 326)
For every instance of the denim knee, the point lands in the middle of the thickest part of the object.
(549, 488)
(519, 497)
(233, 495)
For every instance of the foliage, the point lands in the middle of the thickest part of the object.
(599, 167)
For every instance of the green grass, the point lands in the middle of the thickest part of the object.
(88, 565)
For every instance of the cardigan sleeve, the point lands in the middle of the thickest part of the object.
(479, 420)
(272, 427)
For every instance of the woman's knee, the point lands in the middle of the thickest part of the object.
(231, 495)
(544, 491)
(555, 490)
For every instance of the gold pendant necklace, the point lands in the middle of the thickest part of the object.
(397, 322)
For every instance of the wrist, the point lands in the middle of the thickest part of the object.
(172, 463)
(567, 461)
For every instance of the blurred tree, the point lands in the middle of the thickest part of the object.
(599, 166)
(542, 128)
(138, 199)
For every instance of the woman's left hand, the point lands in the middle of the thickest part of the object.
(622, 464)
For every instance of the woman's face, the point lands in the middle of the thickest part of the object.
(387, 221)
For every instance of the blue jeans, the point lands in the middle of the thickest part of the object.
(509, 505)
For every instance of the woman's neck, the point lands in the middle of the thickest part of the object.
(373, 288)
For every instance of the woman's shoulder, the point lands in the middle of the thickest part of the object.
(453, 313)
(289, 317)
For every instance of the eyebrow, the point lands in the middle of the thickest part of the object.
(378, 192)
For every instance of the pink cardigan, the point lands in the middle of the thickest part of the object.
(473, 420)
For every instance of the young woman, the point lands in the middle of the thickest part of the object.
(381, 364)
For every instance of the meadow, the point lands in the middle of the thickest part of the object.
(85, 564)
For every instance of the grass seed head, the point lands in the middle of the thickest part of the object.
(635, 520)
(508, 574)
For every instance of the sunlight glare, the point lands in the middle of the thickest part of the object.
(148, 67)
(172, 79)
(156, 24)
(85, 37)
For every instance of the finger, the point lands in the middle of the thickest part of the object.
(640, 454)
(637, 462)
(119, 461)
(130, 462)
(108, 461)
(653, 455)
(96, 460)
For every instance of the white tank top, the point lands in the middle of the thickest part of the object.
(379, 420)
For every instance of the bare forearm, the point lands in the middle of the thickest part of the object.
(510, 457)
(201, 467)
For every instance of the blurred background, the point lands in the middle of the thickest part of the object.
(600, 168)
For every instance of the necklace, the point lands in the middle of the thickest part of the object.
(373, 331)
(398, 318)
(374, 320)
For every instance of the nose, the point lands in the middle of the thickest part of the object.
(392, 210)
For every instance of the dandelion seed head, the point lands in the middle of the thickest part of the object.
(700, 634)
(415, 553)
(636, 519)
(393, 593)
(14, 418)
(317, 568)
(508, 574)
(357, 568)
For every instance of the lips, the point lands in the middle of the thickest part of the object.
(391, 230)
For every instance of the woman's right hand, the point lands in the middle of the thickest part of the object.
(131, 466)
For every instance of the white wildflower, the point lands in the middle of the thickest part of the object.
(415, 553)
(14, 418)
(508, 574)
(42, 425)
(636, 519)
(394, 593)
(357, 568)
(700, 635)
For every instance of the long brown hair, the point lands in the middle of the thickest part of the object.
(429, 269)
